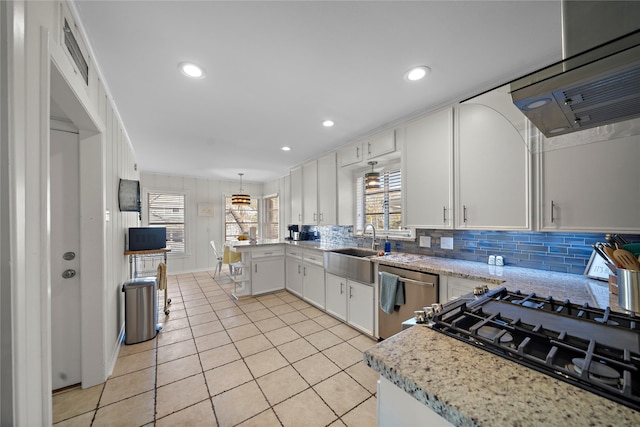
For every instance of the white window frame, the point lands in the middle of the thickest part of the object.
(146, 222)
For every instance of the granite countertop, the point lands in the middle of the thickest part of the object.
(471, 387)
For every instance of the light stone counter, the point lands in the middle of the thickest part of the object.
(471, 387)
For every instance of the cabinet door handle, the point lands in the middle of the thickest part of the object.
(341, 288)
(321, 217)
(368, 148)
(255, 269)
(299, 217)
(350, 291)
(553, 219)
(444, 214)
(357, 152)
(464, 213)
(314, 217)
(298, 268)
(304, 271)
(268, 253)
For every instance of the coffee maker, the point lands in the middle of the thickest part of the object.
(294, 232)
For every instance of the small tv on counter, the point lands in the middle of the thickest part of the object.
(147, 238)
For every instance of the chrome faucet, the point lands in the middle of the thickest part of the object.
(373, 227)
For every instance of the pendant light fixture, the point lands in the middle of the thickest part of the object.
(372, 179)
(241, 199)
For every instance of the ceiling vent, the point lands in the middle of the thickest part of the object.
(76, 54)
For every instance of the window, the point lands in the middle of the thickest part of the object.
(167, 210)
(238, 219)
(271, 225)
(383, 207)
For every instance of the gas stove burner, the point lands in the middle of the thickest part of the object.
(528, 303)
(489, 332)
(597, 371)
(609, 322)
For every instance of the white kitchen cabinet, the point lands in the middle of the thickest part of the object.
(350, 155)
(267, 275)
(427, 175)
(327, 190)
(296, 195)
(310, 192)
(360, 306)
(336, 296)
(313, 285)
(379, 145)
(601, 193)
(293, 271)
(492, 166)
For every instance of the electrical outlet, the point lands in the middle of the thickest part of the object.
(425, 241)
(446, 243)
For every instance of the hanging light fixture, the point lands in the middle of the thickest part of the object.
(372, 179)
(241, 199)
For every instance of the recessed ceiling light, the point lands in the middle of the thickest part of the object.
(327, 123)
(285, 148)
(417, 73)
(192, 70)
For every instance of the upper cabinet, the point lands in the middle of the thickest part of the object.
(350, 155)
(379, 145)
(493, 165)
(319, 191)
(310, 192)
(296, 195)
(591, 187)
(428, 171)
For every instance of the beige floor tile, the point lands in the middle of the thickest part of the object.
(247, 301)
(178, 369)
(253, 345)
(364, 415)
(270, 324)
(311, 312)
(134, 362)
(172, 337)
(218, 356)
(365, 376)
(216, 339)
(126, 350)
(282, 335)
(196, 302)
(293, 317)
(177, 312)
(300, 305)
(242, 332)
(226, 377)
(206, 328)
(272, 302)
(316, 368)
(166, 353)
(232, 322)
(180, 394)
(343, 355)
(255, 306)
(341, 392)
(239, 404)
(344, 331)
(202, 318)
(339, 423)
(193, 296)
(362, 342)
(125, 386)
(173, 324)
(229, 312)
(305, 409)
(282, 384)
(282, 309)
(288, 297)
(323, 339)
(199, 415)
(136, 411)
(264, 419)
(74, 402)
(201, 309)
(222, 304)
(297, 350)
(83, 420)
(258, 315)
(326, 321)
(307, 327)
(264, 362)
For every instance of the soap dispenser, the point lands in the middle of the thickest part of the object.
(387, 246)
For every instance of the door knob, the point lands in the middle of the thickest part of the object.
(68, 274)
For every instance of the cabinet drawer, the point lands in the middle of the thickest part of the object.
(267, 252)
(314, 257)
(294, 253)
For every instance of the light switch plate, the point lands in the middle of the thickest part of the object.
(425, 241)
(446, 243)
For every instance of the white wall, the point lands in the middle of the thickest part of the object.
(31, 57)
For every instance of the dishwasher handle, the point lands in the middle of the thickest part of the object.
(417, 282)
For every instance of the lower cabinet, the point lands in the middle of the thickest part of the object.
(351, 301)
(313, 284)
(293, 272)
(267, 275)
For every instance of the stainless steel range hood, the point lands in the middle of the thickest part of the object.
(600, 85)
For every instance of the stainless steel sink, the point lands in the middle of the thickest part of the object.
(352, 263)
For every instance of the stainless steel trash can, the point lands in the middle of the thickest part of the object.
(140, 310)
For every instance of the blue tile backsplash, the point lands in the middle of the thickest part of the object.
(561, 252)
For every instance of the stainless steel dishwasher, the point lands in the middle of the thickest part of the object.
(420, 290)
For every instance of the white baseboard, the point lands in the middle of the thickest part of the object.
(116, 351)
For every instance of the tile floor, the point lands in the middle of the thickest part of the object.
(273, 360)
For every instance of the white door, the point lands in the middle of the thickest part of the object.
(65, 244)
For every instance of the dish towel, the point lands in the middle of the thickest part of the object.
(391, 292)
(231, 257)
(162, 276)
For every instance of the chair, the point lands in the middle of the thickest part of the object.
(218, 258)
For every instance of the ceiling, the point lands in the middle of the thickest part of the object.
(276, 70)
